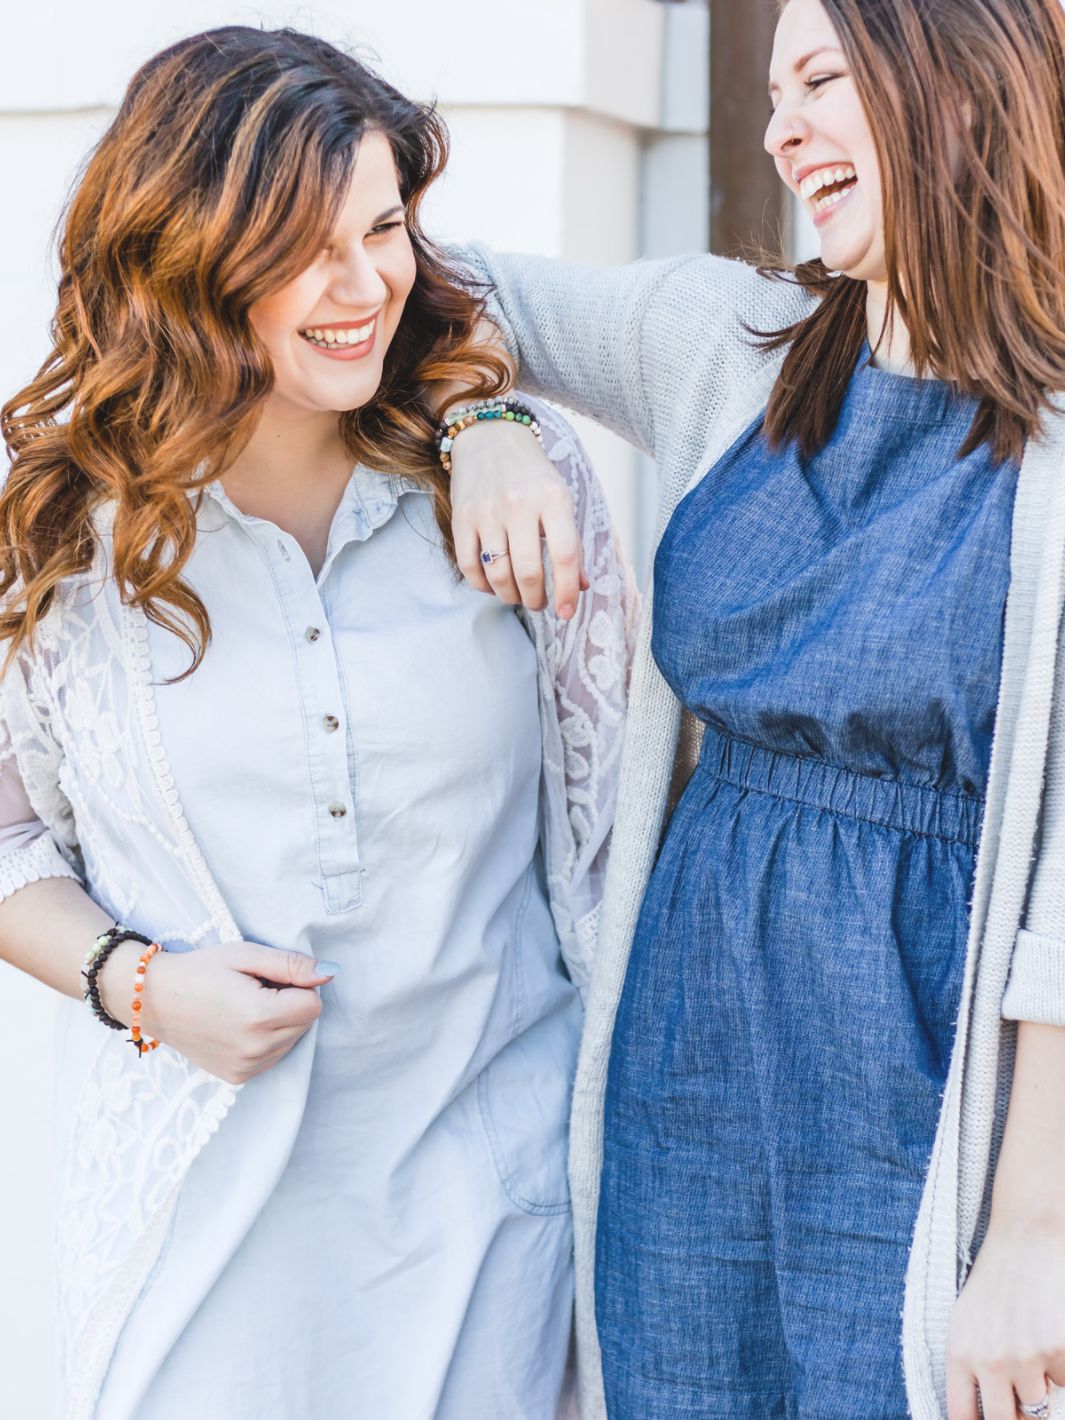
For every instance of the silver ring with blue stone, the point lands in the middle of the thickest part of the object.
(487, 558)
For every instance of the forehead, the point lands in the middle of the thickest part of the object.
(374, 180)
(803, 28)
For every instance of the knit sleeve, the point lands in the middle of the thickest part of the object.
(1036, 987)
(584, 336)
(627, 345)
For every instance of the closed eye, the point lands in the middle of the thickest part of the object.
(819, 80)
(387, 227)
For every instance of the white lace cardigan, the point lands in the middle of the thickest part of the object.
(660, 352)
(80, 732)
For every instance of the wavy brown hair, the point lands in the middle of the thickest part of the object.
(974, 230)
(217, 182)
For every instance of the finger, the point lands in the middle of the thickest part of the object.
(499, 572)
(585, 584)
(298, 1009)
(268, 1061)
(997, 1398)
(468, 554)
(284, 968)
(527, 563)
(1030, 1385)
(564, 548)
(565, 551)
(962, 1401)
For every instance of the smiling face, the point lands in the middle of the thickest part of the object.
(820, 138)
(328, 329)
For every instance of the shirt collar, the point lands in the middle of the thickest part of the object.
(368, 501)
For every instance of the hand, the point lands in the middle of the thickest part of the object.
(233, 1010)
(505, 493)
(1007, 1336)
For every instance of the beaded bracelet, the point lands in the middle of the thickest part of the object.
(138, 986)
(502, 407)
(95, 959)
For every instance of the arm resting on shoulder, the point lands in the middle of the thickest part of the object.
(589, 337)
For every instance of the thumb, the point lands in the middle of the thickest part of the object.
(286, 968)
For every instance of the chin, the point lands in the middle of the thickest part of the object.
(850, 257)
(344, 401)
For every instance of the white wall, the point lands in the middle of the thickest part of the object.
(579, 130)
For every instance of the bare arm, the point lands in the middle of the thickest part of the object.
(234, 1009)
(46, 929)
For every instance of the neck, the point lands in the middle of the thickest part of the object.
(891, 347)
(292, 472)
(287, 447)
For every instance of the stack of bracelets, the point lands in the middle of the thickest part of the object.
(95, 960)
(502, 407)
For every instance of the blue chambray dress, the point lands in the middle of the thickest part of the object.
(786, 1025)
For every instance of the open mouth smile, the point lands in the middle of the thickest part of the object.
(826, 188)
(344, 341)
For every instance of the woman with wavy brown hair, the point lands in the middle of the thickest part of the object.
(823, 1079)
(315, 828)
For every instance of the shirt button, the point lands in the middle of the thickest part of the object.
(337, 810)
(312, 633)
(331, 723)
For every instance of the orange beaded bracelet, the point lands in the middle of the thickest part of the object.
(138, 987)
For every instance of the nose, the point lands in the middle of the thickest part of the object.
(357, 282)
(786, 132)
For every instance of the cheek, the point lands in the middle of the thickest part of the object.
(277, 317)
(399, 274)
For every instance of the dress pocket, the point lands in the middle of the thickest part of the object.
(524, 1098)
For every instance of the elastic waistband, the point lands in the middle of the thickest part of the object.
(910, 808)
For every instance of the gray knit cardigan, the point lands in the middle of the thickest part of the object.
(660, 352)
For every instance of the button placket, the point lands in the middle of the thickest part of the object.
(322, 696)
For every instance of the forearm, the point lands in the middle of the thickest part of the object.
(47, 927)
(1029, 1194)
(576, 332)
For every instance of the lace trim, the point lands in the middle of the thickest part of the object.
(32, 863)
(135, 625)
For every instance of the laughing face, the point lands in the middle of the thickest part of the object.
(328, 329)
(821, 141)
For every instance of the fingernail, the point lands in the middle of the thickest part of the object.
(326, 968)
(566, 610)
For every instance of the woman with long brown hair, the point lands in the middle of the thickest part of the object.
(305, 819)
(823, 1079)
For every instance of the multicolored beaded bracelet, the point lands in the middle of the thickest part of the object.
(502, 407)
(138, 986)
(95, 960)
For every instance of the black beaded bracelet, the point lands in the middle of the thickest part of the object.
(95, 960)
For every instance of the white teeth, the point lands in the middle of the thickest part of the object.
(830, 200)
(326, 337)
(825, 177)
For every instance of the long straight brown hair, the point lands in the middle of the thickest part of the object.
(217, 182)
(974, 227)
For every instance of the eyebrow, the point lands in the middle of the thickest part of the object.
(802, 63)
(385, 215)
